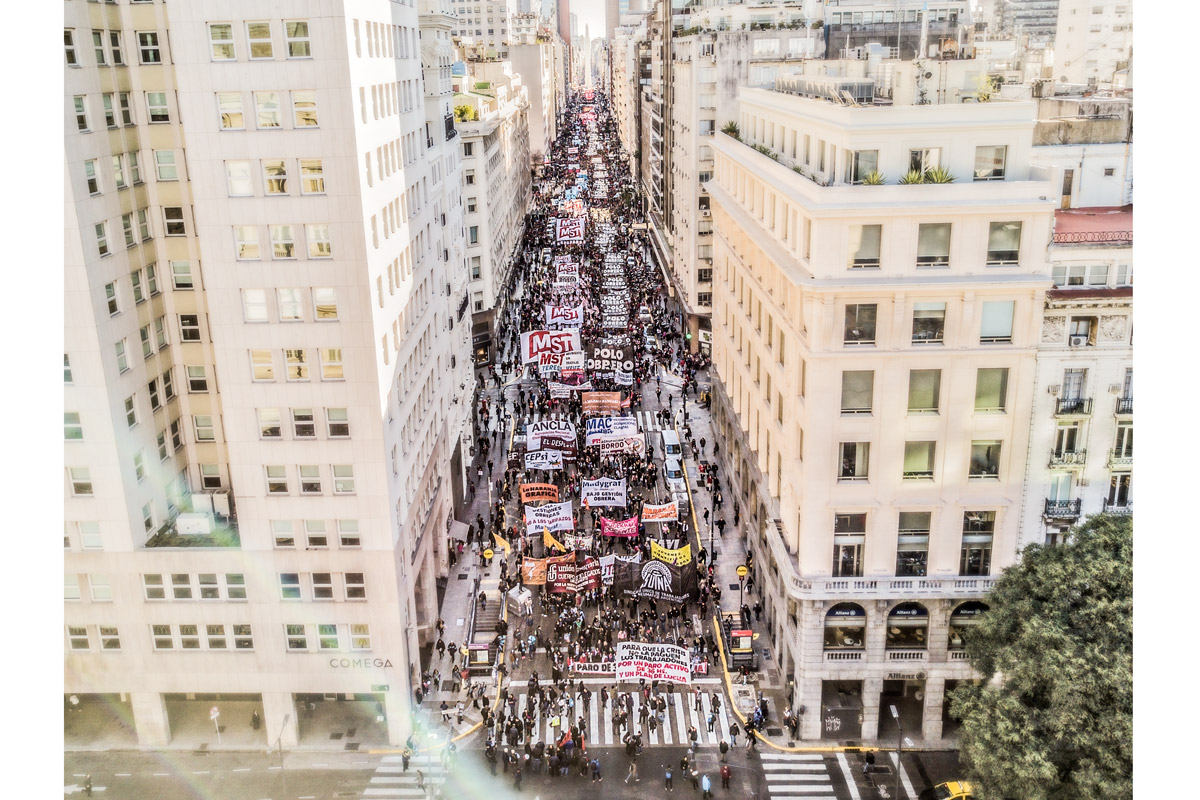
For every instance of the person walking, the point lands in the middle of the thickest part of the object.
(734, 730)
(725, 775)
(633, 773)
(706, 787)
(670, 784)
(596, 777)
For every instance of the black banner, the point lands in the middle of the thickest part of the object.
(654, 580)
(605, 359)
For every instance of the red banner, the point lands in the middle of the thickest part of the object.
(601, 402)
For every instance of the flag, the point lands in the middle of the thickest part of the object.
(501, 543)
(549, 541)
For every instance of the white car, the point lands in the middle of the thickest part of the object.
(673, 474)
(644, 313)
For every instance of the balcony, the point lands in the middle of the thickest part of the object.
(1062, 509)
(958, 655)
(843, 655)
(1123, 407)
(450, 129)
(1111, 507)
(1120, 459)
(1067, 458)
(1073, 407)
(906, 655)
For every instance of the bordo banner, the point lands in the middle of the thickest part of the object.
(653, 662)
(569, 230)
(679, 557)
(601, 402)
(600, 428)
(623, 527)
(604, 492)
(555, 516)
(534, 343)
(573, 577)
(533, 571)
(544, 459)
(627, 444)
(567, 316)
(534, 492)
(667, 512)
(535, 432)
(654, 580)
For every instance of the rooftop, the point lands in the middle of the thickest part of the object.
(1109, 224)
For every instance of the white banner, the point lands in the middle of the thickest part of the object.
(544, 459)
(654, 662)
(536, 431)
(600, 428)
(604, 493)
(534, 343)
(577, 541)
(627, 444)
(555, 516)
(606, 565)
(561, 391)
(569, 230)
(566, 316)
(624, 378)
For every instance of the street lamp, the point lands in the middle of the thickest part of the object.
(899, 745)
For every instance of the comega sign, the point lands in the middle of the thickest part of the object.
(534, 343)
(555, 516)
(653, 662)
(667, 512)
(544, 459)
(534, 492)
(604, 492)
(601, 428)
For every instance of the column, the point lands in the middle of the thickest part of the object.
(935, 697)
(808, 695)
(150, 719)
(281, 718)
(399, 715)
(872, 687)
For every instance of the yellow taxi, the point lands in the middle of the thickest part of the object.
(950, 790)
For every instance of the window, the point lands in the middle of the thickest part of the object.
(297, 365)
(181, 275)
(855, 457)
(1004, 243)
(118, 165)
(276, 479)
(139, 465)
(312, 176)
(245, 238)
(865, 246)
(215, 636)
(148, 52)
(918, 460)
(1082, 331)
(220, 37)
(907, 625)
(237, 179)
(291, 305)
(282, 531)
(102, 238)
(101, 588)
(176, 435)
(81, 120)
(254, 305)
(360, 637)
(473, 234)
(304, 108)
(258, 34)
(310, 479)
(161, 635)
(114, 42)
(189, 327)
(243, 637)
(924, 159)
(151, 269)
(78, 637)
(110, 111)
(122, 358)
(989, 162)
(933, 244)
(1080, 275)
(331, 364)
(173, 221)
(135, 168)
(164, 165)
(343, 479)
(89, 172)
(72, 428)
(181, 586)
(860, 324)
(144, 233)
(131, 418)
(862, 164)
(348, 533)
(991, 389)
(356, 588)
(857, 390)
(304, 425)
(89, 536)
(210, 476)
(924, 390)
(929, 323)
(337, 423)
(275, 176)
(471, 205)
(283, 242)
(469, 177)
(204, 428)
(266, 105)
(327, 636)
(110, 638)
(148, 517)
(295, 34)
(126, 106)
(289, 586)
(985, 460)
(318, 241)
(325, 303)
(1120, 492)
(197, 379)
(849, 538)
(156, 107)
(976, 555)
(69, 45)
(111, 300)
(314, 534)
(912, 544)
(262, 365)
(296, 638)
(98, 47)
(229, 105)
(71, 587)
(997, 322)
(135, 280)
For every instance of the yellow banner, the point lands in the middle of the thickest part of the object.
(502, 543)
(549, 541)
(678, 557)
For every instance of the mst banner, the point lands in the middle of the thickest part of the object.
(655, 580)
(555, 516)
(654, 662)
(535, 492)
(544, 459)
(534, 343)
(604, 492)
(667, 512)
(623, 527)
(601, 402)
(679, 557)
(569, 230)
(567, 316)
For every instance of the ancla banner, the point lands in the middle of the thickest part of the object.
(623, 527)
(566, 316)
(534, 343)
(654, 580)
(544, 459)
(601, 402)
(555, 516)
(569, 230)
(534, 492)
(667, 512)
(653, 662)
(604, 492)
(679, 557)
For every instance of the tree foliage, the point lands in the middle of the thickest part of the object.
(1057, 721)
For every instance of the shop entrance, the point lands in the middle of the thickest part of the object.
(190, 721)
(841, 709)
(907, 693)
(327, 719)
(98, 719)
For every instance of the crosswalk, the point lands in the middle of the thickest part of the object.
(647, 422)
(797, 776)
(392, 782)
(678, 716)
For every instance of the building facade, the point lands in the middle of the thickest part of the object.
(874, 346)
(260, 426)
(487, 24)
(535, 64)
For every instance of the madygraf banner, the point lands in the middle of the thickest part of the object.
(679, 557)
(654, 580)
(604, 493)
(653, 662)
(535, 492)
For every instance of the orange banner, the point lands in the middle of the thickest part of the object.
(531, 492)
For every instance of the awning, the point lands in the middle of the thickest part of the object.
(458, 530)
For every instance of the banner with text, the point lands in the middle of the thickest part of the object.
(536, 492)
(655, 580)
(573, 577)
(535, 432)
(667, 512)
(604, 493)
(555, 516)
(679, 557)
(653, 662)
(566, 316)
(600, 428)
(601, 402)
(606, 565)
(544, 459)
(534, 343)
(533, 571)
(619, 527)
(626, 444)
(569, 230)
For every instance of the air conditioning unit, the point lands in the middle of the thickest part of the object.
(1114, 388)
(1079, 341)
(1053, 389)
(194, 524)
(220, 503)
(202, 503)
(706, 213)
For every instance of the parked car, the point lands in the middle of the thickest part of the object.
(950, 790)
(673, 473)
(644, 313)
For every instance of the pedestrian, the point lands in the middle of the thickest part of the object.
(596, 777)
(706, 787)
(633, 772)
(724, 750)
(734, 730)
(670, 785)
(405, 757)
(725, 775)
(421, 780)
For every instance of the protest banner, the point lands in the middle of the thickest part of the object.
(555, 516)
(566, 316)
(534, 343)
(667, 512)
(601, 402)
(577, 575)
(605, 359)
(560, 391)
(569, 230)
(654, 580)
(622, 527)
(535, 432)
(533, 571)
(626, 444)
(604, 493)
(535, 492)
(679, 557)
(600, 428)
(592, 667)
(624, 378)
(653, 662)
(544, 459)
(578, 541)
(606, 565)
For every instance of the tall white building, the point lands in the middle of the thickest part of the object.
(1093, 43)
(263, 367)
(487, 23)
(535, 64)
(875, 349)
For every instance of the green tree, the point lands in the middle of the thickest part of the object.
(1057, 721)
